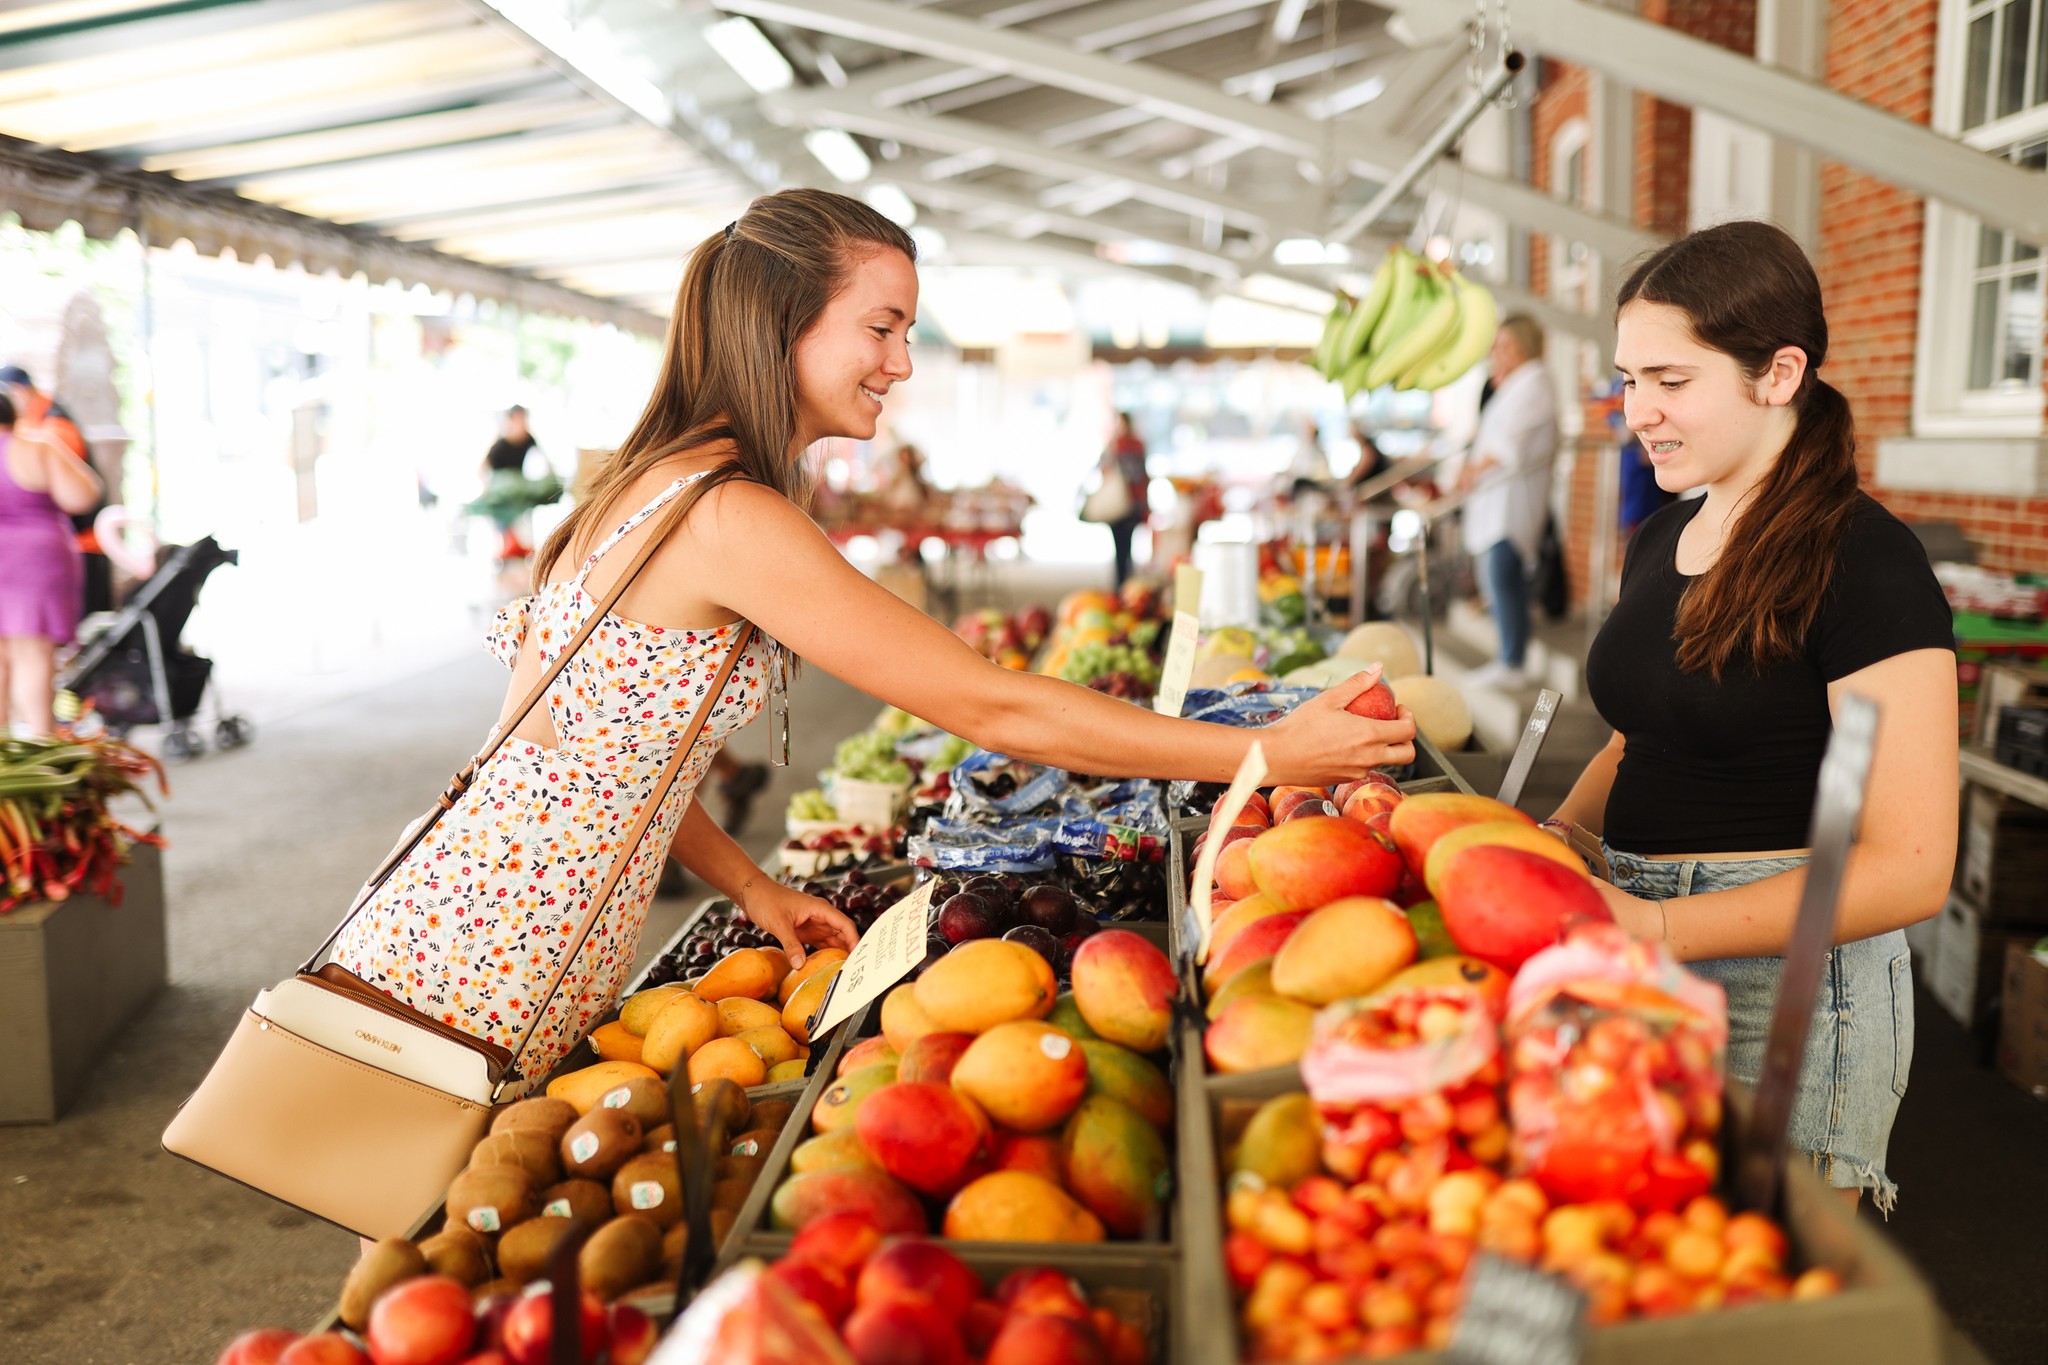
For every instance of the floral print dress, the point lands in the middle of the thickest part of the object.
(470, 928)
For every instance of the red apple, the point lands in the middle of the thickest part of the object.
(260, 1347)
(425, 1321)
(842, 1240)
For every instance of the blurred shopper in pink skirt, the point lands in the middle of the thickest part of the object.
(42, 579)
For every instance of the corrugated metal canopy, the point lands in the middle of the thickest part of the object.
(407, 138)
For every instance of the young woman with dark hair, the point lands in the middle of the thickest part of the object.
(1745, 616)
(790, 325)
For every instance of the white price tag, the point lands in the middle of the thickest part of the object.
(1251, 775)
(1179, 669)
(889, 951)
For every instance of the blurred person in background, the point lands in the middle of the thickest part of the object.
(1508, 474)
(35, 409)
(42, 485)
(1124, 458)
(1372, 461)
(509, 496)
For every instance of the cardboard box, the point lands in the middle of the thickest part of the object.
(2023, 1033)
(2004, 863)
(2000, 686)
(1969, 961)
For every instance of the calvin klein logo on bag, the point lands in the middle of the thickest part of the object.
(370, 1037)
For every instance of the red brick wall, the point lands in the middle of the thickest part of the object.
(1882, 52)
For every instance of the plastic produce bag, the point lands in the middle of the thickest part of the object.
(1001, 785)
(746, 1318)
(1408, 1087)
(1615, 1071)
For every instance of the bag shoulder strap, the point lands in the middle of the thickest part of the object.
(459, 783)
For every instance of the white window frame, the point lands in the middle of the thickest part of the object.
(1943, 405)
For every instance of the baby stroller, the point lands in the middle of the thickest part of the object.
(134, 670)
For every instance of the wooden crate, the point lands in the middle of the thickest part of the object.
(73, 974)
(2003, 862)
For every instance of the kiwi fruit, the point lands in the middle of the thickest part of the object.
(672, 1243)
(542, 1114)
(523, 1252)
(493, 1289)
(717, 1093)
(459, 1254)
(584, 1199)
(771, 1114)
(647, 1185)
(623, 1253)
(382, 1265)
(490, 1199)
(731, 1192)
(528, 1148)
(746, 1168)
(658, 1139)
(600, 1142)
(753, 1142)
(644, 1097)
(721, 1225)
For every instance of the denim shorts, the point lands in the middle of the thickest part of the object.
(1861, 1043)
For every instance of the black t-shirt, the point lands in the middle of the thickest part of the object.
(1731, 767)
(506, 453)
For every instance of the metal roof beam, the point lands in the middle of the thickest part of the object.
(955, 197)
(154, 30)
(1689, 71)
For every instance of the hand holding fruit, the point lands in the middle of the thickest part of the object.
(1324, 741)
(796, 920)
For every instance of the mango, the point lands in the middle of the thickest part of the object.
(639, 1009)
(1254, 978)
(1025, 1075)
(814, 962)
(614, 1043)
(737, 1014)
(1503, 905)
(984, 983)
(1258, 1032)
(804, 1002)
(1489, 980)
(728, 1059)
(933, 1057)
(1016, 1206)
(1116, 1166)
(1125, 988)
(788, 1071)
(586, 1087)
(1120, 1074)
(1431, 938)
(1259, 939)
(803, 1199)
(930, 1137)
(1418, 822)
(1066, 1017)
(869, 1052)
(1308, 862)
(1283, 1143)
(1037, 1153)
(1234, 870)
(749, 972)
(1510, 833)
(685, 1022)
(1347, 948)
(842, 1099)
(774, 1045)
(1229, 921)
(903, 1019)
(830, 1151)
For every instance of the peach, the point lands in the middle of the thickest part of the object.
(1125, 988)
(841, 1240)
(1227, 920)
(820, 1284)
(1258, 1032)
(1370, 799)
(1024, 1074)
(1421, 820)
(917, 1268)
(930, 1137)
(1234, 870)
(1305, 864)
(1375, 703)
(1503, 905)
(1043, 1339)
(1285, 799)
(903, 1332)
(1037, 1289)
(1235, 834)
(1261, 938)
(933, 1057)
(1509, 833)
(1307, 809)
(1349, 947)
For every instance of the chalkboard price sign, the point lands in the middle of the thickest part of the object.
(1513, 1315)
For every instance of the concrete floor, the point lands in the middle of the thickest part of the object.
(112, 1253)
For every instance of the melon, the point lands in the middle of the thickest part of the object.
(1385, 644)
(1440, 710)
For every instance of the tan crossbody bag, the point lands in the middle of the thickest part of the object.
(339, 1100)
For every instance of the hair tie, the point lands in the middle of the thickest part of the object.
(729, 228)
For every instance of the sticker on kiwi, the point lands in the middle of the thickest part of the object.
(484, 1218)
(584, 1146)
(558, 1208)
(1055, 1045)
(669, 1146)
(646, 1194)
(748, 1147)
(617, 1099)
(695, 1088)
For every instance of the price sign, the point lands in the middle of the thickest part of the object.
(1179, 669)
(889, 951)
(1513, 1315)
(1251, 775)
